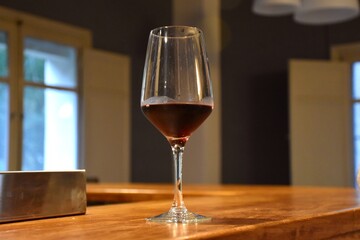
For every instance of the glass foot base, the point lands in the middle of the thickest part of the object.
(178, 215)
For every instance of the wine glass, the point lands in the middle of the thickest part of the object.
(176, 98)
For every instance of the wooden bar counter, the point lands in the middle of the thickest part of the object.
(238, 212)
(135, 192)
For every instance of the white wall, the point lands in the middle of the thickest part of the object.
(106, 120)
(320, 123)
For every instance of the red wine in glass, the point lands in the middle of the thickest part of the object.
(176, 121)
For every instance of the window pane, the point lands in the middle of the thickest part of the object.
(357, 119)
(49, 129)
(34, 68)
(50, 63)
(356, 80)
(4, 125)
(357, 135)
(3, 55)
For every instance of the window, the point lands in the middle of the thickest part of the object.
(356, 113)
(50, 106)
(39, 93)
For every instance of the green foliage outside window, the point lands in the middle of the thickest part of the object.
(3, 62)
(34, 121)
(34, 69)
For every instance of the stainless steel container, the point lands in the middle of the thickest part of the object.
(39, 194)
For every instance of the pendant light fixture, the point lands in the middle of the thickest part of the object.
(275, 7)
(326, 11)
(312, 12)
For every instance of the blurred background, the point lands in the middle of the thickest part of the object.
(251, 54)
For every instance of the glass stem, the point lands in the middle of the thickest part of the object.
(178, 151)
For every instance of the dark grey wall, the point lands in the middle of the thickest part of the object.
(255, 56)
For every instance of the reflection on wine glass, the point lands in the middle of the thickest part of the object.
(176, 98)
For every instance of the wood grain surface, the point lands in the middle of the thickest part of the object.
(135, 192)
(257, 212)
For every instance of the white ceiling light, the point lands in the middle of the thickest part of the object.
(326, 11)
(275, 7)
